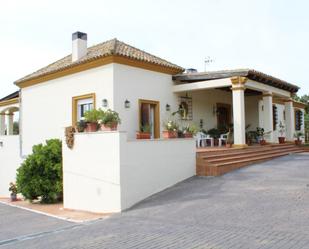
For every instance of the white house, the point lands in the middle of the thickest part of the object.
(111, 170)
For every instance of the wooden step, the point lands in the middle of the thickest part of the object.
(226, 161)
(247, 155)
(253, 159)
(243, 151)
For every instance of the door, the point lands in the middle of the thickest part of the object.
(149, 114)
(223, 115)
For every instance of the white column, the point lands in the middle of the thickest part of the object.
(2, 124)
(268, 123)
(289, 120)
(238, 90)
(10, 121)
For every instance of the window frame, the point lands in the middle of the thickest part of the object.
(75, 100)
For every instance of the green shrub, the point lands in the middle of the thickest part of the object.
(40, 175)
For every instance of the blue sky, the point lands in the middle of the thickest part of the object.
(267, 35)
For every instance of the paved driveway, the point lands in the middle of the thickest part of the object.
(262, 206)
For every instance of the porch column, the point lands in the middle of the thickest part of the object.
(268, 116)
(2, 124)
(289, 119)
(238, 89)
(10, 118)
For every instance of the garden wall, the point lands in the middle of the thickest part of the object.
(105, 172)
(9, 161)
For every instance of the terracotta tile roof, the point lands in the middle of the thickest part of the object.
(11, 96)
(111, 47)
(249, 73)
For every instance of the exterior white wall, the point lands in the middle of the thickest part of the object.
(203, 104)
(47, 107)
(91, 173)
(252, 112)
(105, 172)
(131, 83)
(148, 167)
(10, 162)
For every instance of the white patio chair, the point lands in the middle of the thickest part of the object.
(223, 138)
(201, 140)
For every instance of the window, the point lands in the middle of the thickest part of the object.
(298, 119)
(81, 104)
(275, 117)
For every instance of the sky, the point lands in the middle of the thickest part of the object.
(271, 36)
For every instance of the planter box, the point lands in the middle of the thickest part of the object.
(91, 127)
(170, 134)
(109, 127)
(187, 135)
(281, 140)
(263, 142)
(143, 135)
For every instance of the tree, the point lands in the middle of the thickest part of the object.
(40, 175)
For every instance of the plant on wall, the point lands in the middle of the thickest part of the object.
(40, 175)
(109, 120)
(144, 132)
(171, 129)
(92, 118)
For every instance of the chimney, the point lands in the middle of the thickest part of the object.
(79, 45)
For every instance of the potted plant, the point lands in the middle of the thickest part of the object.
(260, 132)
(109, 120)
(91, 118)
(13, 190)
(144, 132)
(281, 131)
(298, 136)
(171, 129)
(215, 134)
(189, 131)
(81, 125)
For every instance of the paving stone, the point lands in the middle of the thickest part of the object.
(262, 206)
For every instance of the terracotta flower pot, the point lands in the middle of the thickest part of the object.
(143, 135)
(281, 140)
(109, 127)
(187, 135)
(170, 134)
(91, 127)
(262, 142)
(298, 142)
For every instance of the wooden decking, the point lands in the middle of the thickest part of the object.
(218, 161)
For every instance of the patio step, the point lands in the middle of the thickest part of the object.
(234, 151)
(216, 164)
(244, 155)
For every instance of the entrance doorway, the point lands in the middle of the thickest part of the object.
(223, 115)
(149, 114)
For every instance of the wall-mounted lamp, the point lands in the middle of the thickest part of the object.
(1, 144)
(104, 103)
(167, 107)
(127, 104)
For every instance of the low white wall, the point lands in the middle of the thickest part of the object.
(148, 167)
(105, 172)
(9, 161)
(91, 173)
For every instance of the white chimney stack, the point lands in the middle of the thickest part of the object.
(79, 45)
